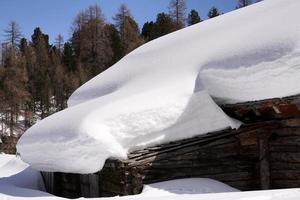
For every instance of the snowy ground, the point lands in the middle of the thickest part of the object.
(19, 181)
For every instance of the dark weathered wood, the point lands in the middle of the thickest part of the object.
(263, 110)
(284, 166)
(264, 160)
(292, 157)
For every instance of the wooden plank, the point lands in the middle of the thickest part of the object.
(264, 160)
(284, 166)
(281, 184)
(189, 145)
(285, 157)
(286, 174)
(287, 141)
(287, 131)
(285, 148)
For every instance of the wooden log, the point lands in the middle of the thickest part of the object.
(284, 166)
(285, 157)
(264, 160)
(281, 184)
(245, 185)
(285, 148)
(287, 131)
(286, 174)
(293, 122)
(287, 141)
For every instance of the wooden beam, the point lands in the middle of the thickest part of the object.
(264, 163)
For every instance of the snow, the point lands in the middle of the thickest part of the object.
(20, 182)
(170, 89)
(186, 186)
(18, 179)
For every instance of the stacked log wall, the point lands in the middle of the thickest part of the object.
(285, 155)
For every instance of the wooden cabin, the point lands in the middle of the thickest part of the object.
(263, 154)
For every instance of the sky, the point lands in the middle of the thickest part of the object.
(56, 16)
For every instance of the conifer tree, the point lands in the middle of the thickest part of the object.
(177, 11)
(91, 46)
(243, 3)
(163, 25)
(68, 57)
(42, 68)
(147, 31)
(59, 42)
(193, 17)
(13, 34)
(128, 29)
(213, 12)
(115, 42)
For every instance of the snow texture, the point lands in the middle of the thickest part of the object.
(170, 89)
(186, 186)
(18, 179)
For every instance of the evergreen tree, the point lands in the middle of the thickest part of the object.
(163, 25)
(193, 17)
(213, 12)
(116, 43)
(68, 57)
(40, 38)
(177, 11)
(243, 3)
(42, 68)
(147, 31)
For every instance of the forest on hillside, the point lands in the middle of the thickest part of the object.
(37, 78)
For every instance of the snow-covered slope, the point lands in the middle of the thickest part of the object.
(166, 89)
(18, 179)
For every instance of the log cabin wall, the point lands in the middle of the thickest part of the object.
(264, 154)
(284, 150)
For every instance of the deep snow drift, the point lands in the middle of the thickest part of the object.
(166, 89)
(18, 179)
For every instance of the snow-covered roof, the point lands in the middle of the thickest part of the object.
(167, 89)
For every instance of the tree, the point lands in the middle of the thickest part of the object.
(243, 3)
(39, 37)
(68, 57)
(177, 11)
(128, 29)
(193, 17)
(213, 12)
(13, 34)
(163, 25)
(147, 31)
(115, 42)
(59, 42)
(90, 43)
(13, 83)
(41, 73)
